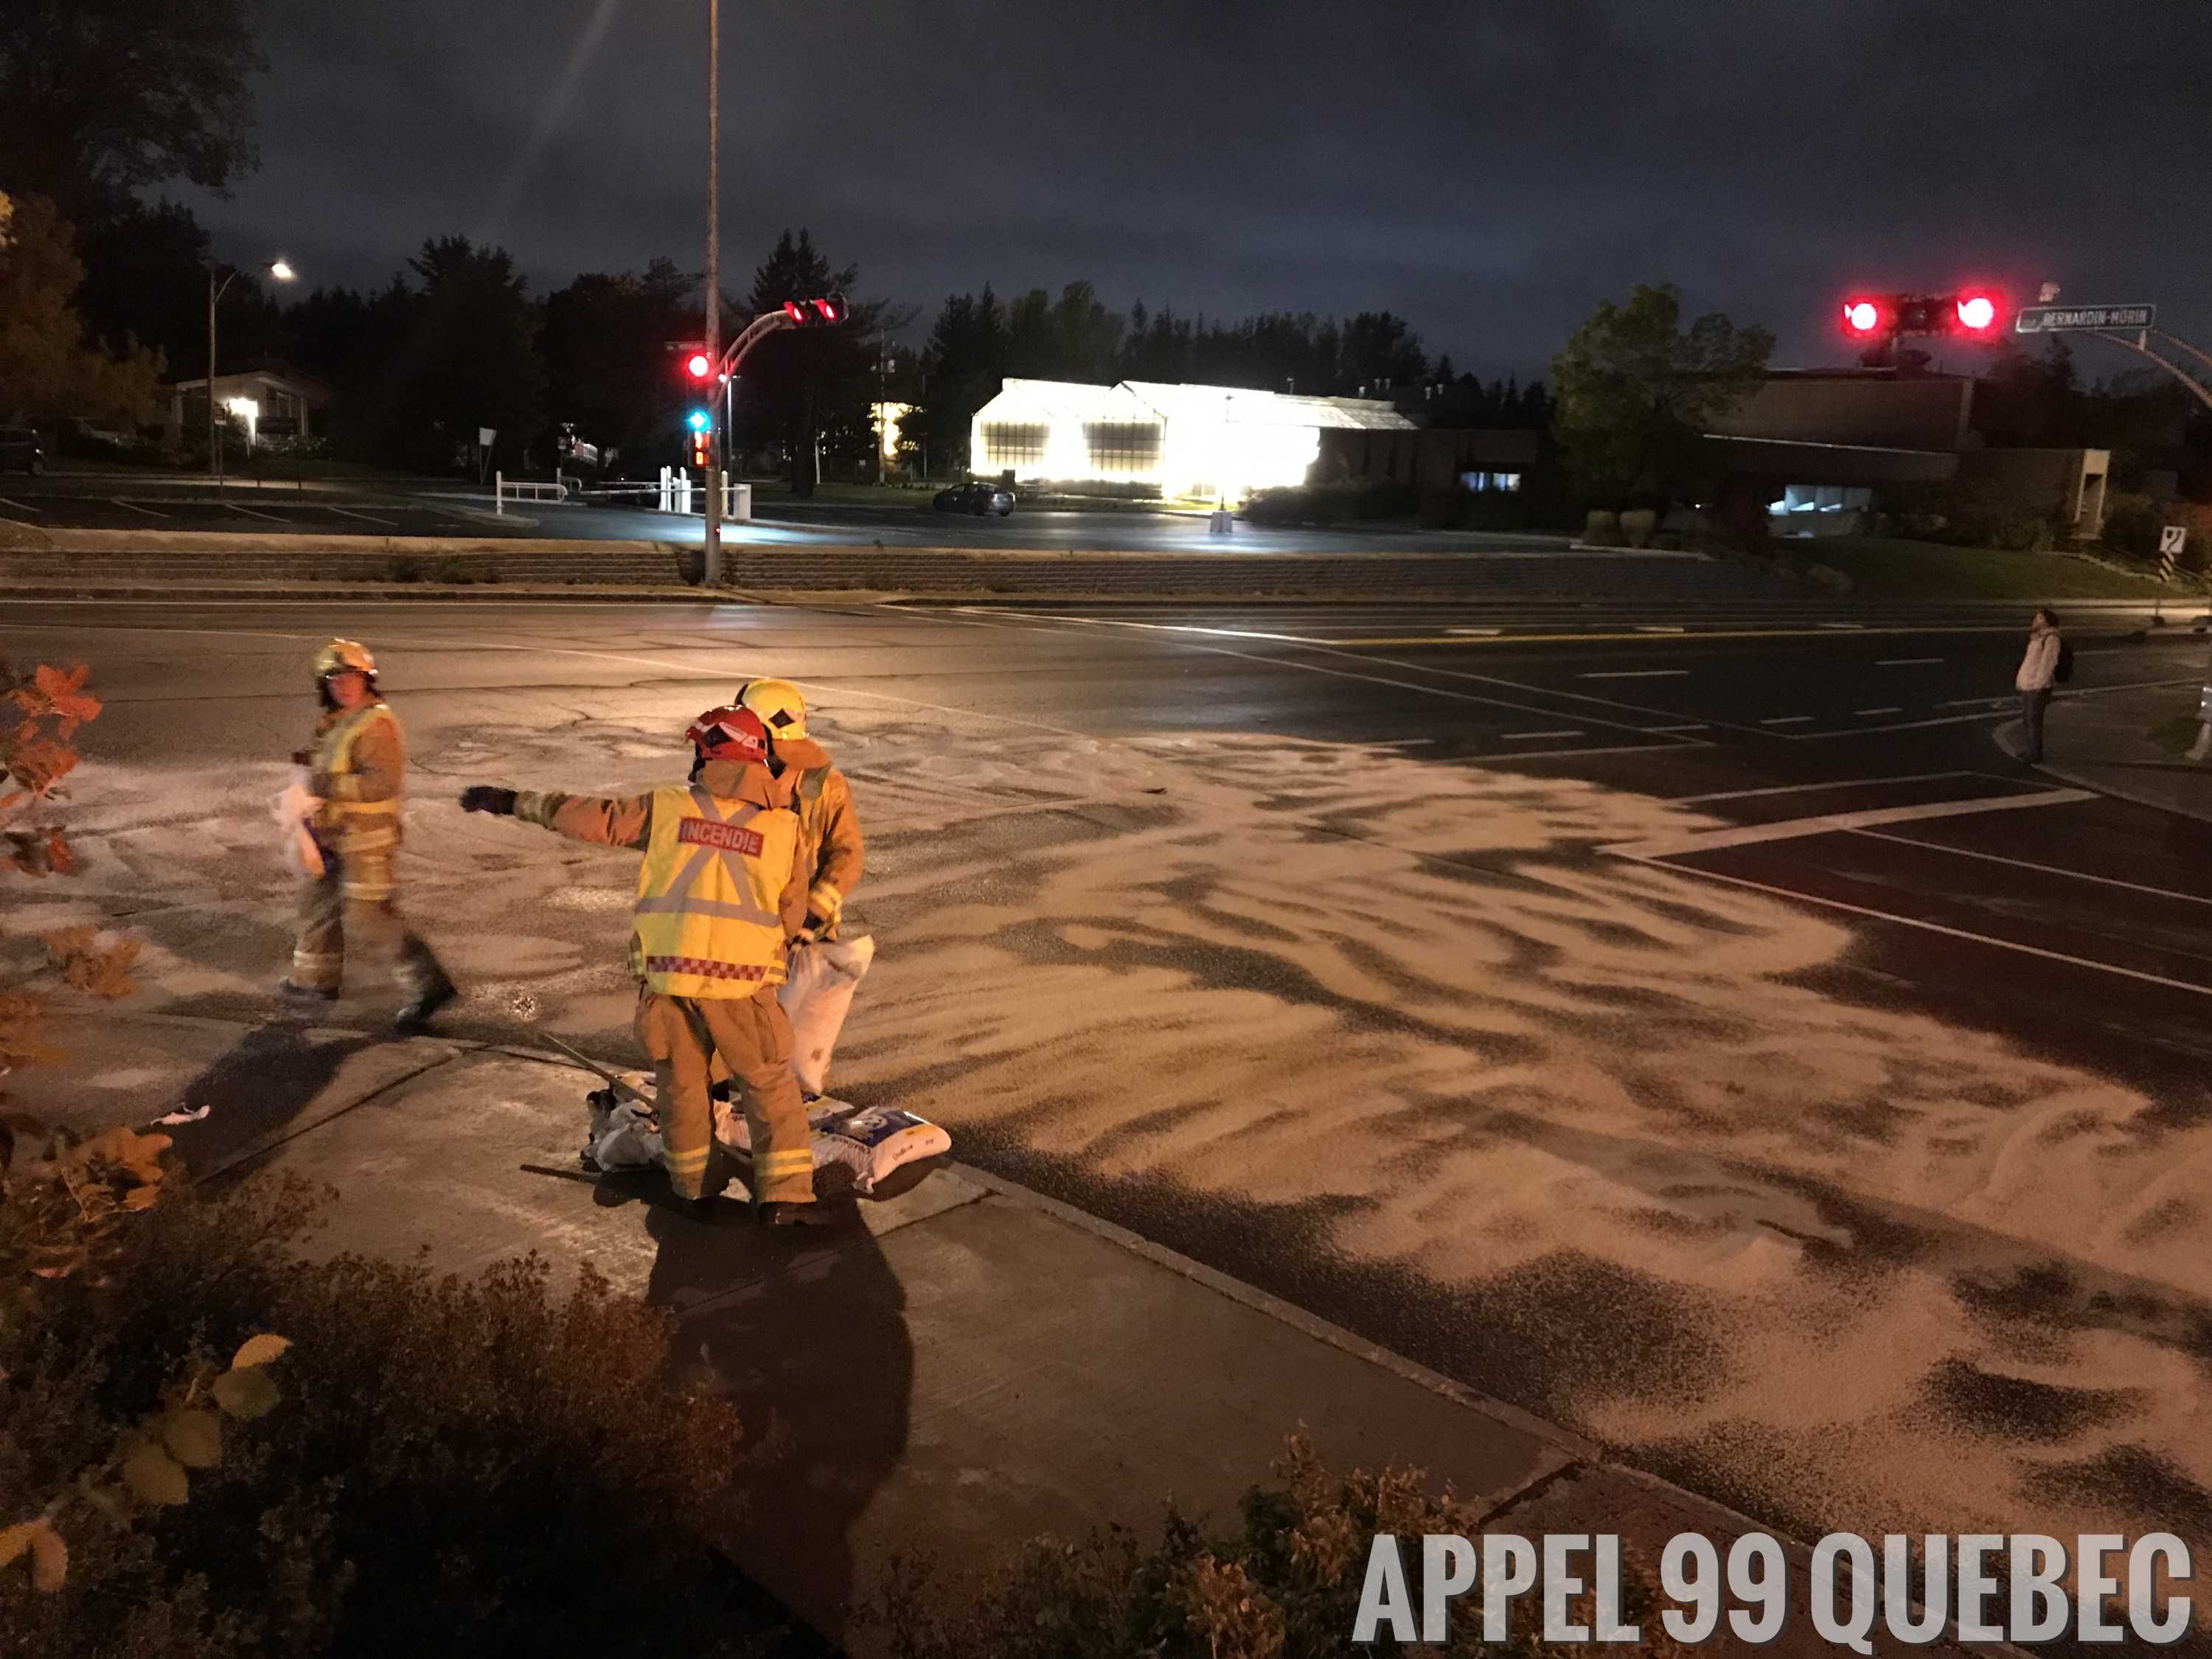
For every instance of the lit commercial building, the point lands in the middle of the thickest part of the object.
(1198, 441)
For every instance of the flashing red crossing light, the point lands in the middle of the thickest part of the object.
(1976, 311)
(699, 365)
(1865, 317)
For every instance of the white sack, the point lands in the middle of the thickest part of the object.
(292, 809)
(868, 1141)
(818, 983)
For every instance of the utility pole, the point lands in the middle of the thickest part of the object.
(214, 454)
(713, 574)
(883, 410)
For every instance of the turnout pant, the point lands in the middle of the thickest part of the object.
(682, 1036)
(353, 896)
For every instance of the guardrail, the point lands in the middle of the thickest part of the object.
(525, 489)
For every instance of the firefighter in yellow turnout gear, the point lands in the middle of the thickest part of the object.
(720, 890)
(830, 852)
(359, 764)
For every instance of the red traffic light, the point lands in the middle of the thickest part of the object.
(827, 308)
(1977, 312)
(1864, 316)
(698, 365)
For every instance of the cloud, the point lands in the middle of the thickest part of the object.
(1490, 172)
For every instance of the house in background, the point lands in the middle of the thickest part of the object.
(1151, 437)
(266, 405)
(1826, 443)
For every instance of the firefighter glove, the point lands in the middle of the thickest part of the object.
(487, 798)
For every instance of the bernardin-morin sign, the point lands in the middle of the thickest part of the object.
(2055, 319)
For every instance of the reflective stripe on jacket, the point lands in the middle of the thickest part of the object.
(708, 922)
(359, 761)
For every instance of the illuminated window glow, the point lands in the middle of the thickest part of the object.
(1190, 442)
(1016, 444)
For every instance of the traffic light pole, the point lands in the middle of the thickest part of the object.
(713, 572)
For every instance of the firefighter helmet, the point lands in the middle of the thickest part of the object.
(344, 656)
(729, 734)
(782, 709)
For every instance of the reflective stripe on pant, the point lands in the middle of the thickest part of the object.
(354, 895)
(680, 1035)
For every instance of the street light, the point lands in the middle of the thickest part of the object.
(281, 269)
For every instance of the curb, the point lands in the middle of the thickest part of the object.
(2007, 739)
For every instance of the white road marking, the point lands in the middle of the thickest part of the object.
(1803, 788)
(1578, 753)
(1482, 632)
(2030, 864)
(1678, 728)
(149, 512)
(1527, 737)
(1870, 713)
(1906, 662)
(366, 518)
(1786, 720)
(1974, 702)
(1636, 674)
(1029, 622)
(1661, 627)
(21, 506)
(1846, 626)
(1753, 834)
(254, 512)
(1932, 928)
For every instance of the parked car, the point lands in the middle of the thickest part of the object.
(20, 450)
(92, 439)
(977, 497)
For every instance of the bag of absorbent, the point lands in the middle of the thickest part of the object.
(624, 1134)
(292, 809)
(876, 1151)
(818, 983)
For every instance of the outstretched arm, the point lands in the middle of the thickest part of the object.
(603, 820)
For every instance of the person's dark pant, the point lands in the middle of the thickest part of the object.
(2031, 705)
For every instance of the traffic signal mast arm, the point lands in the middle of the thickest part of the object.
(793, 313)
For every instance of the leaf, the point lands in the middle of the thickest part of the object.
(247, 1394)
(194, 1437)
(49, 1559)
(155, 1477)
(141, 1198)
(64, 689)
(258, 1351)
(15, 1542)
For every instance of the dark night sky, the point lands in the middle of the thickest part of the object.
(1488, 170)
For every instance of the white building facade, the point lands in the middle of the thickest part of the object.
(1184, 441)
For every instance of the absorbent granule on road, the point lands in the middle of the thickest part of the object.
(1593, 1135)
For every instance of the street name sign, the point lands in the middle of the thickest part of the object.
(2056, 319)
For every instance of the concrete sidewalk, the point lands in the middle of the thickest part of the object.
(943, 1376)
(2104, 742)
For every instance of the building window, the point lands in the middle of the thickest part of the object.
(1010, 444)
(1487, 481)
(1122, 446)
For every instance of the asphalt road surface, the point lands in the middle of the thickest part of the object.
(1706, 1038)
(154, 502)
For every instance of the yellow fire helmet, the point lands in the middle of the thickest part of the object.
(339, 655)
(779, 706)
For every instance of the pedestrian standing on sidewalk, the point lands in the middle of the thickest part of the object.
(2039, 672)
